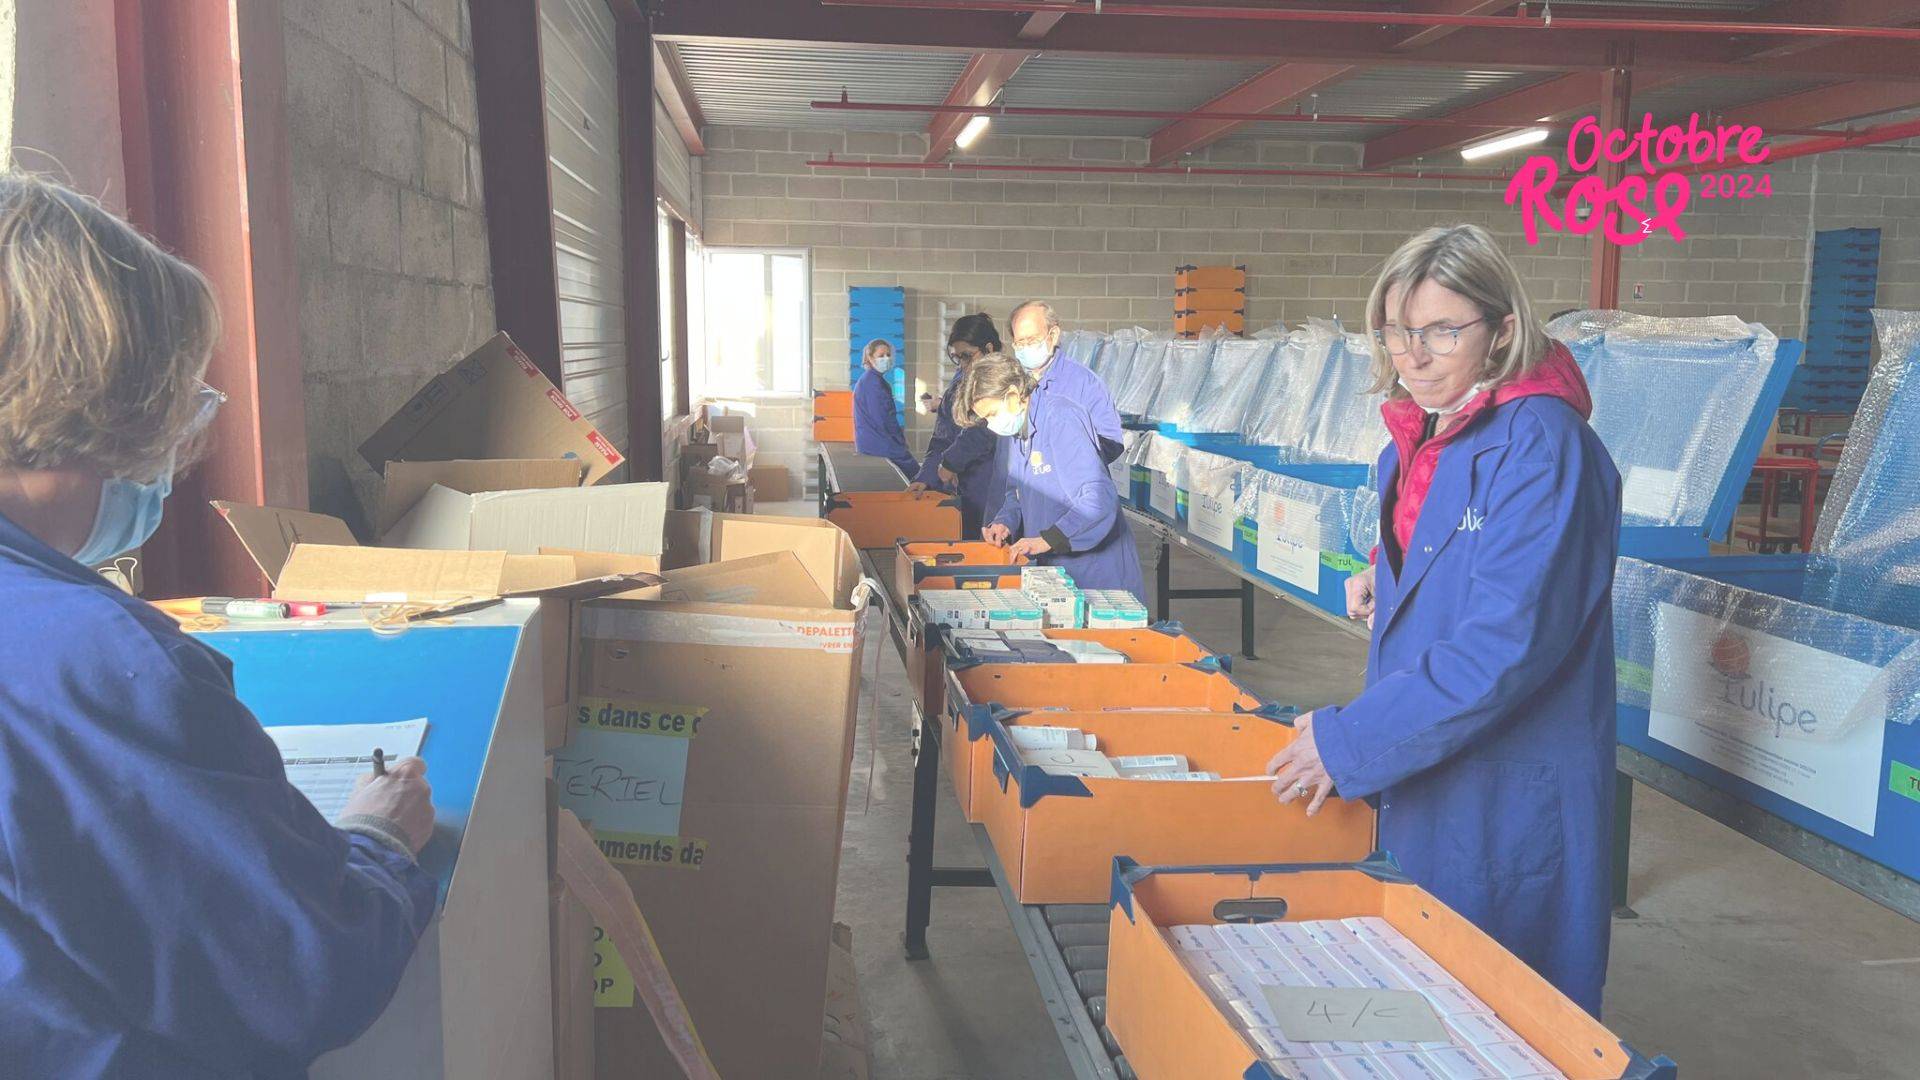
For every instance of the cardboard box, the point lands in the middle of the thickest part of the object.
(740, 715)
(770, 483)
(619, 519)
(573, 983)
(408, 481)
(1169, 1027)
(313, 557)
(977, 695)
(493, 404)
(731, 438)
(1057, 835)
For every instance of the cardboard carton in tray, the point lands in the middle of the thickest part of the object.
(727, 695)
(492, 404)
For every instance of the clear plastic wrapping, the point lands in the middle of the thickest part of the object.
(1746, 673)
(1343, 423)
(1186, 370)
(1363, 519)
(1168, 457)
(1671, 398)
(1143, 377)
(1310, 514)
(1213, 475)
(1238, 367)
(1080, 345)
(1870, 526)
(1277, 415)
(1121, 468)
(1115, 358)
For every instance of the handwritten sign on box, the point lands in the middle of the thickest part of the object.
(1320, 1014)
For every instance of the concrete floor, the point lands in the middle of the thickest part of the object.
(1741, 963)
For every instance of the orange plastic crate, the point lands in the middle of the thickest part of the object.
(833, 429)
(1209, 277)
(1194, 322)
(832, 403)
(1211, 300)
(916, 561)
(881, 519)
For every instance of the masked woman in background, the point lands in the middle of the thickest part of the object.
(876, 426)
(960, 455)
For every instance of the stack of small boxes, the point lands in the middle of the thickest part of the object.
(1047, 597)
(1063, 751)
(1209, 298)
(982, 609)
(1061, 602)
(1233, 962)
(1114, 609)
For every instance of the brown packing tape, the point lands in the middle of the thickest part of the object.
(608, 897)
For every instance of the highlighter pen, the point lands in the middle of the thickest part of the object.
(243, 609)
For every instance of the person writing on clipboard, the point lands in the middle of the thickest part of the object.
(169, 904)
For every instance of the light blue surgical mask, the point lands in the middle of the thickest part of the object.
(1008, 423)
(883, 364)
(1033, 357)
(130, 510)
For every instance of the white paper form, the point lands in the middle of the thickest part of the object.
(325, 760)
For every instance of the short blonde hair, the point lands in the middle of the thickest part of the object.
(993, 376)
(103, 338)
(1466, 260)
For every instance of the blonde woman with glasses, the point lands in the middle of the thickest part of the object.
(169, 904)
(1485, 734)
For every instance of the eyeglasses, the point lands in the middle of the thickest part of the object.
(207, 402)
(963, 356)
(1028, 343)
(1438, 340)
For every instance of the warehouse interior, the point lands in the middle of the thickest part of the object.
(545, 360)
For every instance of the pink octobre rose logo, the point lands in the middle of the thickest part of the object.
(1676, 165)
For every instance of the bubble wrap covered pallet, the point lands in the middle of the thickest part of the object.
(1671, 400)
(1142, 379)
(1185, 372)
(1314, 406)
(1080, 346)
(1238, 367)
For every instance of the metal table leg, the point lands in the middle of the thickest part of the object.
(1622, 843)
(1162, 582)
(926, 788)
(1247, 597)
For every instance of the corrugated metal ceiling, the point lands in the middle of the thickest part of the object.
(1388, 91)
(1074, 81)
(771, 85)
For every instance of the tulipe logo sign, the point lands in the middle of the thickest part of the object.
(1675, 163)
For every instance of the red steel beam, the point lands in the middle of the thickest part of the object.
(1427, 35)
(979, 83)
(831, 162)
(1519, 108)
(676, 93)
(1833, 104)
(1039, 24)
(203, 110)
(1107, 35)
(844, 105)
(1272, 89)
(1616, 101)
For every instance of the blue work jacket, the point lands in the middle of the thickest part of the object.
(1058, 487)
(965, 451)
(876, 427)
(1077, 383)
(169, 905)
(1486, 730)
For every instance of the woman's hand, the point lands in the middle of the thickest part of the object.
(916, 486)
(1297, 771)
(1031, 546)
(996, 534)
(948, 476)
(1360, 596)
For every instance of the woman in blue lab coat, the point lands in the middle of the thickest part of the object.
(1485, 734)
(1060, 507)
(960, 454)
(169, 904)
(876, 426)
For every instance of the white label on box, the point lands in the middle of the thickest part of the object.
(1280, 554)
(1160, 494)
(1212, 517)
(623, 781)
(1650, 493)
(1804, 723)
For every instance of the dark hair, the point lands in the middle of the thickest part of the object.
(994, 375)
(976, 330)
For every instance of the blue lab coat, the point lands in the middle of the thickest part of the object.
(1057, 487)
(965, 451)
(1486, 729)
(169, 905)
(1077, 382)
(876, 427)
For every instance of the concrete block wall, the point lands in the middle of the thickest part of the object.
(389, 219)
(1103, 248)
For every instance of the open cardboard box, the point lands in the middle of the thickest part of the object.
(409, 481)
(729, 690)
(493, 404)
(310, 556)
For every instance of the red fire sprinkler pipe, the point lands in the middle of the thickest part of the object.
(1395, 18)
(832, 162)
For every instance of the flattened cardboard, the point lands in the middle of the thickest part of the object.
(621, 519)
(408, 481)
(493, 404)
(358, 574)
(270, 532)
(773, 580)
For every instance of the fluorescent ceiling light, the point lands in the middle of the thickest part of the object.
(1504, 143)
(979, 124)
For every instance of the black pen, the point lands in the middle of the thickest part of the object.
(379, 762)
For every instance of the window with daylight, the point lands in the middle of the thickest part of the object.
(759, 322)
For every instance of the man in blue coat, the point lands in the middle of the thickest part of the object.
(1036, 344)
(1485, 734)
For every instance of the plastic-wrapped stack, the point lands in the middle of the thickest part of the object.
(1302, 512)
(1143, 377)
(1363, 519)
(1282, 403)
(1343, 423)
(1186, 371)
(1080, 345)
(1869, 531)
(1671, 398)
(1238, 367)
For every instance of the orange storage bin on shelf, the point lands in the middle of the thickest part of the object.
(960, 562)
(979, 694)
(881, 519)
(833, 416)
(1209, 277)
(1194, 322)
(1169, 1027)
(1211, 300)
(1056, 836)
(837, 429)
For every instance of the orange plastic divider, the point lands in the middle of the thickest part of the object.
(1209, 277)
(1060, 849)
(1212, 300)
(917, 563)
(1170, 1028)
(836, 429)
(875, 519)
(833, 403)
(1193, 322)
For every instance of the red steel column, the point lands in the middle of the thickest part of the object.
(1616, 93)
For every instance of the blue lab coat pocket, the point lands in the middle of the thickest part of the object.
(1513, 832)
